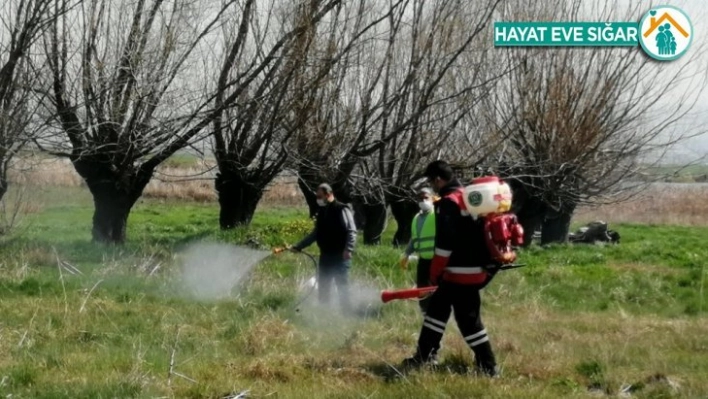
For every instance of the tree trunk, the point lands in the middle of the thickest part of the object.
(556, 226)
(375, 222)
(530, 210)
(310, 196)
(114, 195)
(531, 215)
(403, 212)
(359, 215)
(3, 185)
(238, 199)
(531, 223)
(110, 216)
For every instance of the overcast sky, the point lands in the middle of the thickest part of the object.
(697, 10)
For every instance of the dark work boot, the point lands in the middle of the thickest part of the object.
(492, 372)
(485, 363)
(418, 360)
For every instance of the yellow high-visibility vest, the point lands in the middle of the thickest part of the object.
(424, 240)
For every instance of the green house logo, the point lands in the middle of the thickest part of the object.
(666, 33)
(474, 198)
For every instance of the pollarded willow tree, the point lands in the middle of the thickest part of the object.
(453, 128)
(389, 91)
(125, 94)
(583, 120)
(333, 128)
(21, 22)
(251, 138)
(131, 84)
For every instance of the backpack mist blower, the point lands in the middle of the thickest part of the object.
(488, 198)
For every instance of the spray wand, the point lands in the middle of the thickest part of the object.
(422, 292)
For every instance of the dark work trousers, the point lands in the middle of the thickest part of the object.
(334, 267)
(465, 301)
(423, 280)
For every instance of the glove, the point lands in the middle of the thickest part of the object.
(403, 263)
(437, 268)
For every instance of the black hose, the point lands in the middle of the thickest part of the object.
(312, 258)
(493, 270)
(312, 289)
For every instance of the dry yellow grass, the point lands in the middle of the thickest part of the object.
(44, 172)
(187, 183)
(658, 204)
(682, 204)
(538, 348)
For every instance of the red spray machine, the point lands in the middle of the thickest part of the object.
(490, 198)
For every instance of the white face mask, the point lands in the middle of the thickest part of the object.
(426, 206)
(321, 202)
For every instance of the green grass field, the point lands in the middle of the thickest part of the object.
(575, 317)
(678, 174)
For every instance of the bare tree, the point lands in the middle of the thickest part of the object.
(454, 128)
(125, 94)
(383, 100)
(333, 129)
(583, 120)
(21, 22)
(131, 85)
(251, 139)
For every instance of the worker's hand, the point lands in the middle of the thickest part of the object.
(403, 263)
(347, 255)
(436, 280)
(278, 250)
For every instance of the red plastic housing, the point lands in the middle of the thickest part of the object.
(503, 232)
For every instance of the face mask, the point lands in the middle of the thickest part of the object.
(426, 206)
(321, 202)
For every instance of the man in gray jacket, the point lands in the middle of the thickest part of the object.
(335, 234)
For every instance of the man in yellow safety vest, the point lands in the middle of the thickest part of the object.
(422, 242)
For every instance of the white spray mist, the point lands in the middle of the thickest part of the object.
(363, 297)
(210, 271)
